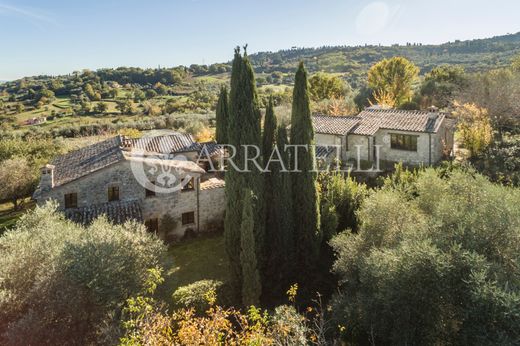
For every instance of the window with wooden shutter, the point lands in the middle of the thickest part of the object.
(71, 200)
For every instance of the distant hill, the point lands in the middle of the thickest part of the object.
(352, 62)
(473, 55)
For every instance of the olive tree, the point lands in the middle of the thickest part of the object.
(61, 283)
(435, 263)
(17, 179)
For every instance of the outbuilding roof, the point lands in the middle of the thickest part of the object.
(369, 121)
(334, 125)
(116, 212)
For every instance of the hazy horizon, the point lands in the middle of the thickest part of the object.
(60, 37)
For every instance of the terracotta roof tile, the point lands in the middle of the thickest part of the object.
(92, 158)
(369, 121)
(334, 125)
(163, 144)
(116, 212)
(86, 160)
(372, 120)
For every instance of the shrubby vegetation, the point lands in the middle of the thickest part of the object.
(148, 322)
(65, 284)
(501, 161)
(435, 262)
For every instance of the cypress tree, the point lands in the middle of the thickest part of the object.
(234, 182)
(251, 286)
(304, 185)
(243, 128)
(269, 130)
(280, 253)
(222, 115)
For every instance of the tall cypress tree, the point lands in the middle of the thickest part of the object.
(304, 185)
(268, 136)
(234, 182)
(280, 248)
(251, 286)
(243, 128)
(222, 115)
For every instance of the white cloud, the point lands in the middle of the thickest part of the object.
(33, 15)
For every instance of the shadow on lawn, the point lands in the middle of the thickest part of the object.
(201, 258)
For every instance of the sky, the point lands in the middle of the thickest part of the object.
(61, 36)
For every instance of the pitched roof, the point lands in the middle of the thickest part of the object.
(163, 144)
(116, 212)
(334, 125)
(86, 160)
(369, 121)
(95, 157)
(209, 148)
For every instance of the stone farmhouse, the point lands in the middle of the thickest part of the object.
(100, 180)
(411, 137)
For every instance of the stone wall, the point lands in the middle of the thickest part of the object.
(208, 205)
(421, 156)
(352, 149)
(332, 140)
(212, 203)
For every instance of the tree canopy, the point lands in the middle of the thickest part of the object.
(392, 79)
(64, 284)
(442, 272)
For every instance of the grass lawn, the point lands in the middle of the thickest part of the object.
(193, 260)
(8, 216)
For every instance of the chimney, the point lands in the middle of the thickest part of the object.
(126, 144)
(47, 178)
(433, 112)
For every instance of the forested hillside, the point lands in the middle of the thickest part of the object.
(106, 100)
(473, 55)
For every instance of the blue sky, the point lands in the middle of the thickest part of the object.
(58, 36)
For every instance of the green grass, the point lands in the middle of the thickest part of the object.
(193, 260)
(8, 216)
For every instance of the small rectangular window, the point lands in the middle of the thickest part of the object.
(150, 192)
(403, 142)
(190, 185)
(113, 193)
(71, 200)
(152, 225)
(188, 218)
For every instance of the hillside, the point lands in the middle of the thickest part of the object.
(473, 55)
(69, 105)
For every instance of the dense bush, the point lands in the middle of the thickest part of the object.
(345, 195)
(436, 263)
(147, 322)
(501, 161)
(196, 294)
(63, 284)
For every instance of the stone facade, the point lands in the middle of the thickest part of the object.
(199, 207)
(432, 146)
